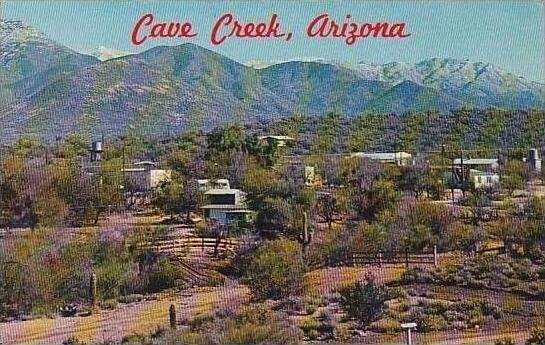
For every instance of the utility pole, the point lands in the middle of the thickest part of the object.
(462, 172)
(443, 164)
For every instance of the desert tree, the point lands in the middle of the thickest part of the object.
(328, 207)
(177, 196)
(276, 270)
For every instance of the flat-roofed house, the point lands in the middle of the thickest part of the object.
(144, 176)
(398, 158)
(226, 205)
(490, 163)
(483, 179)
(478, 178)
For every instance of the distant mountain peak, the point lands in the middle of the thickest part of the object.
(15, 36)
(18, 30)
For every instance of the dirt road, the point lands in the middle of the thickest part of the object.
(137, 318)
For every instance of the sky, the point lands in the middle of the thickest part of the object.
(508, 34)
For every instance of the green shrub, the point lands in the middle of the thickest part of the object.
(199, 321)
(313, 334)
(431, 323)
(109, 304)
(254, 324)
(308, 324)
(504, 341)
(342, 332)
(435, 306)
(476, 318)
(364, 302)
(493, 310)
(327, 327)
(453, 316)
(397, 293)
(388, 326)
(132, 298)
(276, 270)
(161, 275)
(73, 341)
(537, 336)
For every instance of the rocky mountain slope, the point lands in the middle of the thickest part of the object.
(48, 89)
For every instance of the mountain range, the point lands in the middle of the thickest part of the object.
(48, 89)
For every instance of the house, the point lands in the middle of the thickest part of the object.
(144, 176)
(226, 205)
(478, 178)
(208, 184)
(489, 163)
(281, 140)
(533, 160)
(398, 158)
(482, 179)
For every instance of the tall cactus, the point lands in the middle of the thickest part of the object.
(172, 316)
(93, 289)
(305, 237)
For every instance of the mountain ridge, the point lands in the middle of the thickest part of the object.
(49, 89)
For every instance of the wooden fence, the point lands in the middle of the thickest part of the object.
(184, 244)
(394, 258)
(407, 258)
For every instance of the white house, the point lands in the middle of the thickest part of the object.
(491, 163)
(226, 205)
(479, 179)
(482, 179)
(144, 176)
(399, 158)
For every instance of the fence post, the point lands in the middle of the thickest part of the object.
(93, 289)
(379, 259)
(435, 255)
(407, 258)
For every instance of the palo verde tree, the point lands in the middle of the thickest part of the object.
(275, 270)
(177, 196)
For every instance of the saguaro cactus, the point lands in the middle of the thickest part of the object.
(305, 237)
(93, 289)
(172, 316)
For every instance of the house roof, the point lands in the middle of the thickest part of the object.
(384, 156)
(276, 137)
(476, 161)
(217, 180)
(145, 163)
(223, 191)
(134, 170)
(224, 207)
